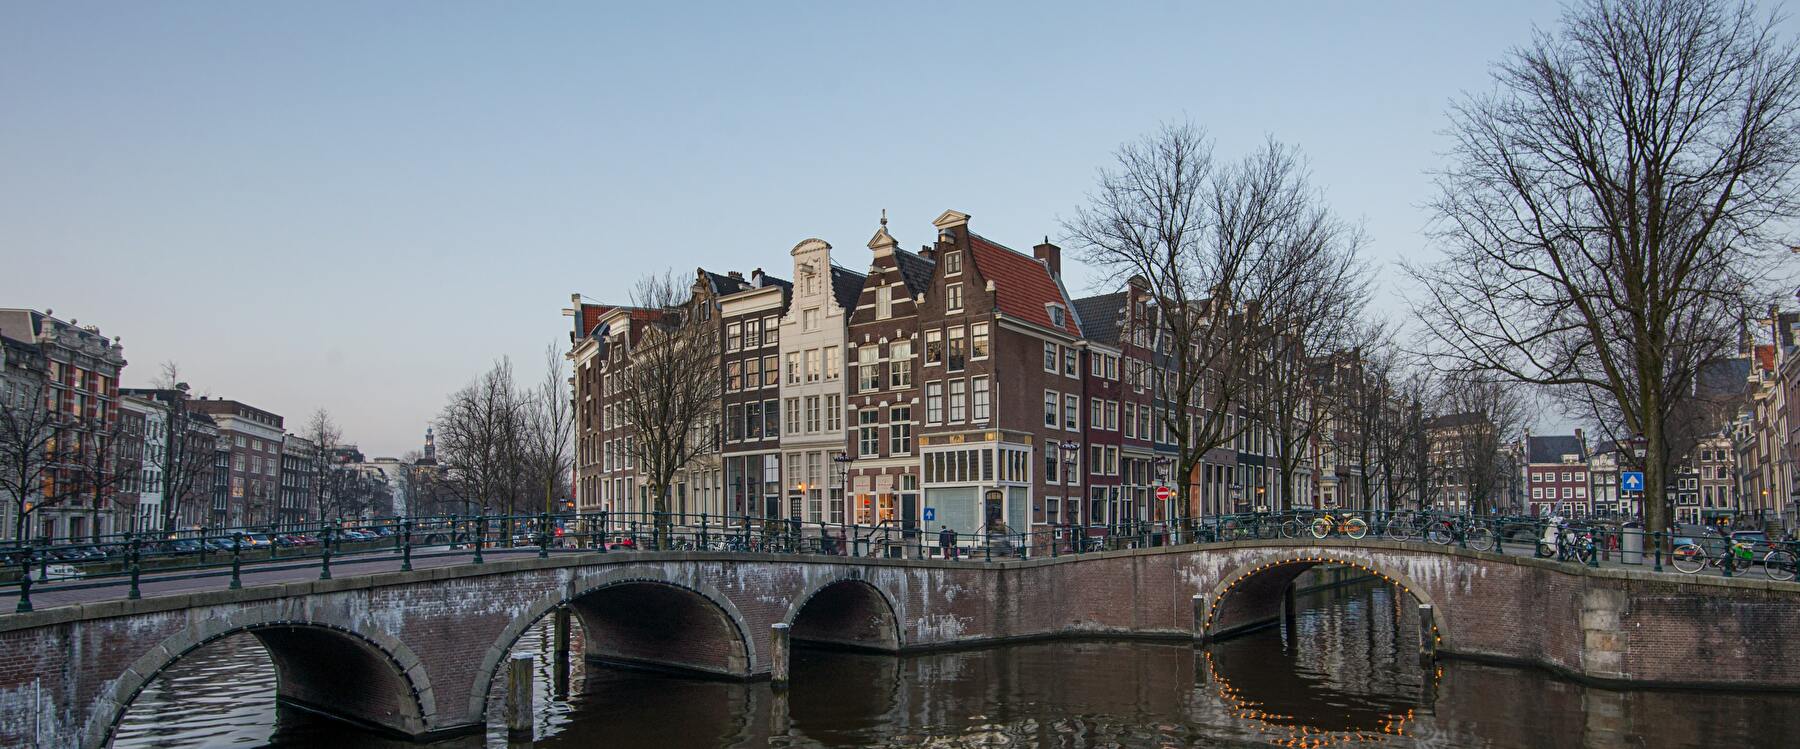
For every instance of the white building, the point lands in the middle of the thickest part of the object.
(153, 461)
(813, 334)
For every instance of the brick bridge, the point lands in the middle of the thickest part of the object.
(414, 653)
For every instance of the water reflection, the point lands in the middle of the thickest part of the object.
(1347, 673)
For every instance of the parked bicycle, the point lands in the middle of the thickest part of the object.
(1733, 556)
(1444, 531)
(1347, 525)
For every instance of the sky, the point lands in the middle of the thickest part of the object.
(361, 206)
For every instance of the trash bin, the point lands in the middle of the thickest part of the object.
(1631, 544)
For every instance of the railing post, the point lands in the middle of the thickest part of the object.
(1593, 550)
(703, 532)
(25, 581)
(480, 536)
(324, 557)
(133, 552)
(406, 546)
(1656, 538)
(237, 561)
(544, 537)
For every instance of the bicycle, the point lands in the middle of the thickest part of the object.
(1347, 525)
(1691, 557)
(1402, 528)
(1781, 563)
(1442, 531)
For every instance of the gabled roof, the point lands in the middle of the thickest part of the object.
(1550, 449)
(846, 286)
(1023, 286)
(1100, 316)
(722, 285)
(1451, 421)
(915, 270)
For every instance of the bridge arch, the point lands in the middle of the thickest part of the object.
(1252, 593)
(353, 673)
(642, 617)
(846, 612)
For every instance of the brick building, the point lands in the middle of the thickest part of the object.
(1556, 474)
(81, 386)
(885, 393)
(751, 395)
(252, 439)
(300, 464)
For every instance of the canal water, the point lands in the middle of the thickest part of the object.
(1347, 673)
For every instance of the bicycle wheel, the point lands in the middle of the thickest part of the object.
(1290, 529)
(1399, 530)
(1321, 527)
(1479, 537)
(1267, 529)
(1689, 558)
(1356, 528)
(1439, 534)
(1779, 565)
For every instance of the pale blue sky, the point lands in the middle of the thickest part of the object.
(360, 206)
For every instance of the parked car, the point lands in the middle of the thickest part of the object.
(57, 572)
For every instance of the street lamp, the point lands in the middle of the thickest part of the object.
(1162, 463)
(840, 461)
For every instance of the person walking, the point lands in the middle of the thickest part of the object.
(946, 542)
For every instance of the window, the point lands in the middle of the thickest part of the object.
(1072, 412)
(1050, 464)
(752, 373)
(900, 430)
(834, 413)
(812, 365)
(771, 372)
(958, 393)
(734, 336)
(900, 364)
(978, 338)
(934, 402)
(809, 319)
(958, 355)
(770, 326)
(752, 339)
(884, 302)
(1568, 476)
(1097, 460)
(1050, 401)
(868, 435)
(868, 373)
(1112, 416)
(1056, 314)
(934, 347)
(1131, 420)
(812, 413)
(771, 418)
(1568, 492)
(753, 420)
(832, 366)
(793, 415)
(1070, 368)
(1096, 412)
(952, 263)
(793, 367)
(953, 298)
(982, 402)
(1112, 367)
(1049, 357)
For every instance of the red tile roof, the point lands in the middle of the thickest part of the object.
(590, 317)
(1765, 357)
(1022, 285)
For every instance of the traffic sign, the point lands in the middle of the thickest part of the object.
(1165, 493)
(1631, 481)
(930, 514)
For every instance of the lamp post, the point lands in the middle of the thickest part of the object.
(840, 463)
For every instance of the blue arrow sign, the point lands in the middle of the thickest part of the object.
(1631, 481)
(931, 513)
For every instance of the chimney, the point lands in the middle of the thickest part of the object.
(756, 278)
(735, 276)
(927, 252)
(1051, 255)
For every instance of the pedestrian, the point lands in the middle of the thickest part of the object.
(947, 542)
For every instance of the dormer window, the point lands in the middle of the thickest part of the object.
(1056, 314)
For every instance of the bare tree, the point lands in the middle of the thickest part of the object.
(1219, 248)
(551, 429)
(1382, 409)
(669, 385)
(29, 456)
(1611, 198)
(1482, 417)
(331, 486)
(480, 442)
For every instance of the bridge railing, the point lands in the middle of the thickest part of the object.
(166, 559)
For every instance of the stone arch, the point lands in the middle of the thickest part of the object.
(1271, 573)
(395, 694)
(742, 646)
(851, 613)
